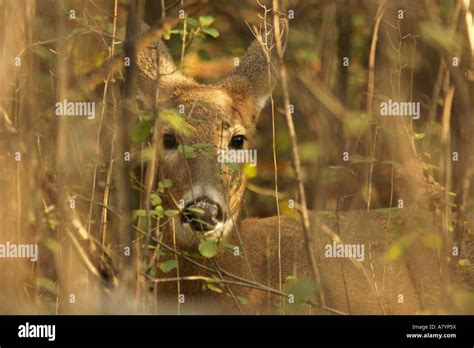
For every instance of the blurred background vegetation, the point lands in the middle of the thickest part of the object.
(353, 158)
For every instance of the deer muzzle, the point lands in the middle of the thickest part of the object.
(202, 214)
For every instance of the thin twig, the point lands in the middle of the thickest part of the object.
(469, 26)
(309, 240)
(250, 283)
(446, 171)
(142, 41)
(370, 92)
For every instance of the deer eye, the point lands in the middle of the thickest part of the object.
(237, 142)
(169, 141)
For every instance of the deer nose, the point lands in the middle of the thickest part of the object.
(202, 215)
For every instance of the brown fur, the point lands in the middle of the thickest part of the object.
(414, 274)
(214, 111)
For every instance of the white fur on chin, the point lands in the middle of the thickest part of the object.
(186, 237)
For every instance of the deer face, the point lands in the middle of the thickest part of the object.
(215, 119)
(208, 191)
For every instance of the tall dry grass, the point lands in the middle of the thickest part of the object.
(64, 183)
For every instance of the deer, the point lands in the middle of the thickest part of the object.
(224, 115)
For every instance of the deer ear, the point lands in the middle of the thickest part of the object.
(258, 70)
(156, 61)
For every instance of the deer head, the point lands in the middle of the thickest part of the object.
(217, 117)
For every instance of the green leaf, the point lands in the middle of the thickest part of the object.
(171, 212)
(357, 124)
(138, 213)
(440, 35)
(203, 55)
(192, 22)
(176, 121)
(328, 213)
(233, 166)
(393, 211)
(360, 159)
(418, 136)
(195, 210)
(208, 248)
(214, 288)
(250, 171)
(159, 211)
(398, 247)
(141, 131)
(207, 153)
(206, 21)
(242, 300)
(151, 271)
(202, 222)
(109, 27)
(187, 151)
(166, 35)
(219, 176)
(211, 31)
(52, 245)
(155, 199)
(303, 289)
(168, 266)
(165, 183)
(47, 284)
(310, 150)
(41, 52)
